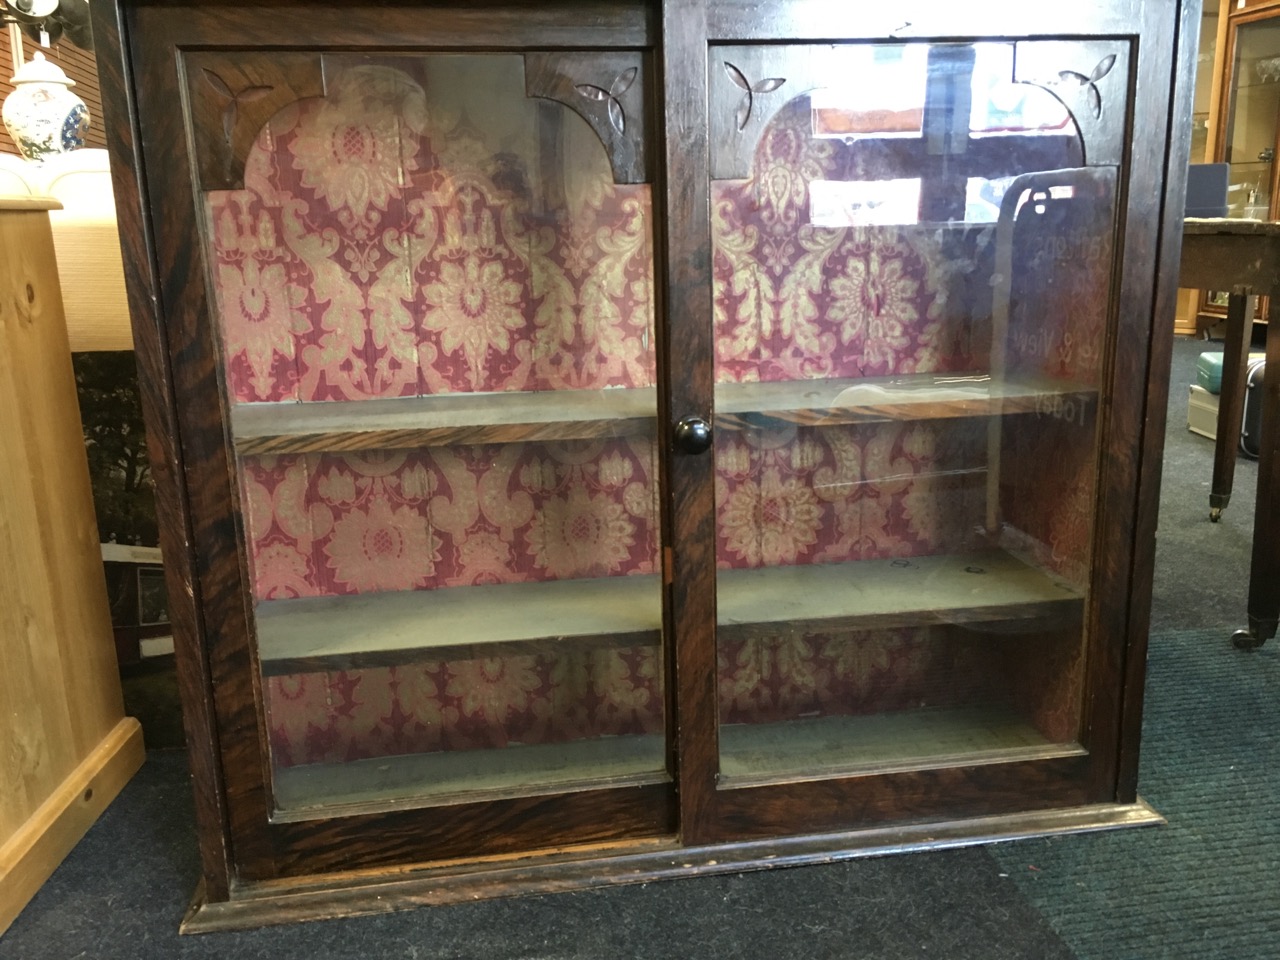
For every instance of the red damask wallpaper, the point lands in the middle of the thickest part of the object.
(385, 245)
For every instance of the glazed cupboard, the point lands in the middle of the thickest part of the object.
(603, 441)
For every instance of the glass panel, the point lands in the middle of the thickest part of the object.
(435, 312)
(910, 328)
(1251, 137)
(1205, 67)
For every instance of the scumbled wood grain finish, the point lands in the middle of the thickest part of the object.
(685, 351)
(561, 871)
(424, 834)
(737, 22)
(1139, 335)
(451, 419)
(274, 428)
(155, 380)
(880, 399)
(192, 430)
(821, 806)
(220, 571)
(398, 26)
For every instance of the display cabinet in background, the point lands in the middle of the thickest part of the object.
(1245, 122)
(1203, 114)
(611, 441)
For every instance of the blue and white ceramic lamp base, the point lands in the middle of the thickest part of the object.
(42, 114)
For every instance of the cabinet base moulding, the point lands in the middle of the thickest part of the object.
(561, 871)
(29, 857)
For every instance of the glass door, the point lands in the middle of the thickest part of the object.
(433, 296)
(1253, 120)
(912, 271)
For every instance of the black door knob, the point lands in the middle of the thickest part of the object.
(692, 435)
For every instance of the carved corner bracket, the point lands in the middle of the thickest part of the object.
(606, 89)
(748, 86)
(232, 96)
(1091, 79)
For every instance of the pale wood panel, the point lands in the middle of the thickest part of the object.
(871, 399)
(28, 203)
(86, 240)
(43, 744)
(261, 428)
(321, 632)
(61, 498)
(58, 649)
(30, 855)
(1184, 320)
(822, 747)
(61, 692)
(324, 789)
(956, 588)
(36, 743)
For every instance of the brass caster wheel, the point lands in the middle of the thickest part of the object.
(1245, 640)
(1215, 514)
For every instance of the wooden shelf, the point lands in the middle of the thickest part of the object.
(989, 586)
(878, 399)
(817, 748)
(467, 418)
(459, 418)
(750, 754)
(382, 629)
(425, 779)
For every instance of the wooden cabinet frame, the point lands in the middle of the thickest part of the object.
(258, 867)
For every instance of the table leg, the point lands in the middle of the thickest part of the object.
(1235, 364)
(1264, 571)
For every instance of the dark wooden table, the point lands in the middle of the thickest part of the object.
(1243, 257)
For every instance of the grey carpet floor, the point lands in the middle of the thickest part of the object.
(1202, 568)
(121, 893)
(1206, 885)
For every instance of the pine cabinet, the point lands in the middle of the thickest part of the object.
(602, 441)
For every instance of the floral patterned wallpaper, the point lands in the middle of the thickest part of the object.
(384, 245)
(330, 524)
(795, 301)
